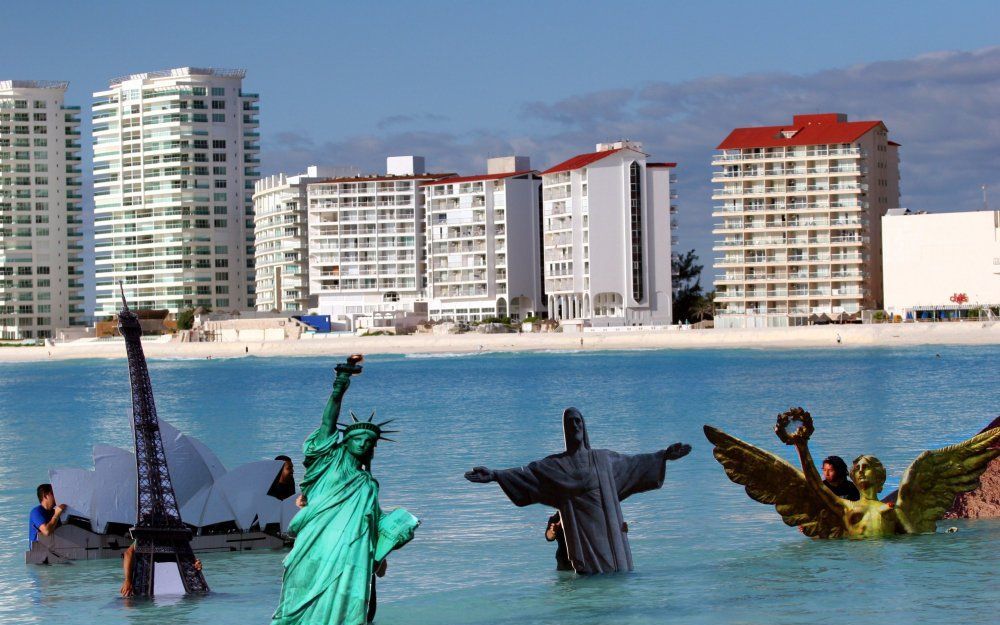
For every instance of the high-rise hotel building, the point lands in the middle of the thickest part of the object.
(483, 251)
(366, 241)
(281, 232)
(41, 267)
(798, 220)
(175, 162)
(607, 238)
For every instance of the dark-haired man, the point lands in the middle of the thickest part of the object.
(835, 478)
(44, 518)
(283, 486)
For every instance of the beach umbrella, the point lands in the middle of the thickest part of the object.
(824, 319)
(813, 318)
(843, 318)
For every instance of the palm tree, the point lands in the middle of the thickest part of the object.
(705, 306)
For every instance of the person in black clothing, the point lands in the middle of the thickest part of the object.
(554, 532)
(283, 486)
(835, 478)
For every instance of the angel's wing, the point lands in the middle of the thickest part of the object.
(930, 484)
(769, 479)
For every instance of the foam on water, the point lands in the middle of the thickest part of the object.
(704, 552)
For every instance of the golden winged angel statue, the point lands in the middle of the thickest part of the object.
(926, 491)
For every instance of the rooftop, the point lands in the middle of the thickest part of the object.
(818, 129)
(33, 84)
(181, 71)
(581, 160)
(509, 174)
(383, 177)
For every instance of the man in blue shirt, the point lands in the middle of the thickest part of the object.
(44, 517)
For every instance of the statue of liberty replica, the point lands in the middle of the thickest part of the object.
(341, 534)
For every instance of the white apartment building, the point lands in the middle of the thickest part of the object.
(175, 161)
(366, 242)
(41, 267)
(606, 225)
(938, 263)
(798, 212)
(281, 234)
(483, 251)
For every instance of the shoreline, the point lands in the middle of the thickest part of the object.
(851, 336)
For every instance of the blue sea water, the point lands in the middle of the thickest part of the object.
(704, 552)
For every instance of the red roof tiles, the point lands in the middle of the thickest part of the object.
(807, 130)
(579, 161)
(477, 178)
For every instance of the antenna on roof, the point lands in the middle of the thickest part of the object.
(986, 203)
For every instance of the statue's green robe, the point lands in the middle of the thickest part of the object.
(328, 573)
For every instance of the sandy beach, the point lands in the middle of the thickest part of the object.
(968, 333)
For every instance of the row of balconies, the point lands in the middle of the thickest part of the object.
(790, 259)
(726, 294)
(780, 276)
(792, 242)
(788, 172)
(787, 224)
(796, 190)
(720, 210)
(796, 153)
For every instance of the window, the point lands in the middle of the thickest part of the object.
(219, 158)
(201, 144)
(222, 289)
(221, 263)
(220, 184)
(218, 91)
(219, 144)
(218, 105)
(635, 209)
(197, 91)
(221, 223)
(222, 276)
(220, 210)
(218, 117)
(39, 104)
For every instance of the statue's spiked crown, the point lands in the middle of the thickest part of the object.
(369, 426)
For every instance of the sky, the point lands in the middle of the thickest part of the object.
(458, 82)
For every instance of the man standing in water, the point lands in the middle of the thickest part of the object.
(44, 518)
(554, 532)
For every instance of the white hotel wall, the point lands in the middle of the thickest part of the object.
(927, 258)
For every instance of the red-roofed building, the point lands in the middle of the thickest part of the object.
(606, 225)
(483, 243)
(798, 220)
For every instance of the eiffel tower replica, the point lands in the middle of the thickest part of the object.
(161, 538)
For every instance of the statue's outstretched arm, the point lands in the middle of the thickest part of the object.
(340, 385)
(800, 439)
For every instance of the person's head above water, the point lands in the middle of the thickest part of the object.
(575, 430)
(834, 469)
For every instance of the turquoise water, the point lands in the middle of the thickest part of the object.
(704, 552)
